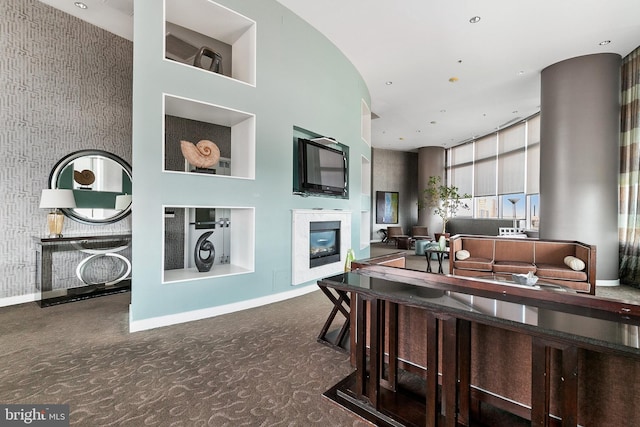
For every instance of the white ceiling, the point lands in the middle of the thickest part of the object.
(418, 45)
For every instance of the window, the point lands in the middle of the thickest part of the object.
(461, 168)
(485, 166)
(513, 206)
(486, 207)
(502, 172)
(511, 159)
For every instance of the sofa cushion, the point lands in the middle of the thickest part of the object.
(557, 271)
(513, 267)
(474, 263)
(478, 247)
(553, 252)
(462, 254)
(514, 250)
(574, 263)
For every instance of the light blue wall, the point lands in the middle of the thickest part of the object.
(302, 80)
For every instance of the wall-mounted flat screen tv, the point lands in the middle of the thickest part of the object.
(322, 169)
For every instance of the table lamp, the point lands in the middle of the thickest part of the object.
(55, 199)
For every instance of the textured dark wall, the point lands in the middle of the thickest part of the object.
(178, 129)
(65, 85)
(396, 171)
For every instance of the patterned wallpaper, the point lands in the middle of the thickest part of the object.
(65, 85)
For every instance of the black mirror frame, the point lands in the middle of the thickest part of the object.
(64, 162)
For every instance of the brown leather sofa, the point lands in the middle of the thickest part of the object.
(504, 256)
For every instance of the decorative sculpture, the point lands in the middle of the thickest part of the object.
(216, 59)
(204, 154)
(85, 177)
(204, 245)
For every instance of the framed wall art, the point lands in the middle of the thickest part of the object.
(386, 207)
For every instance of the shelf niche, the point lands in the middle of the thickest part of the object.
(233, 239)
(192, 24)
(234, 132)
(365, 122)
(365, 197)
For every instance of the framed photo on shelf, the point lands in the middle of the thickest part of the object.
(386, 207)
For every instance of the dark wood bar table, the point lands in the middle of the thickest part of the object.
(563, 331)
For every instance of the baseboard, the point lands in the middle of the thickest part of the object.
(20, 299)
(189, 316)
(615, 282)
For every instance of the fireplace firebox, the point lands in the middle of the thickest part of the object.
(324, 243)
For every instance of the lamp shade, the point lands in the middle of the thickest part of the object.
(123, 201)
(57, 199)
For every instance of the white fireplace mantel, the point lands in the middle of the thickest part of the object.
(301, 218)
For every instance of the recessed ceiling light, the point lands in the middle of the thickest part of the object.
(389, 83)
(520, 72)
(453, 79)
(514, 111)
(401, 139)
(433, 122)
(80, 5)
(604, 42)
(443, 111)
(475, 20)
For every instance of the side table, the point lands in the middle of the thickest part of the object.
(421, 245)
(439, 256)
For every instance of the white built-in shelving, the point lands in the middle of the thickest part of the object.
(365, 122)
(237, 229)
(365, 179)
(218, 23)
(190, 25)
(365, 197)
(243, 130)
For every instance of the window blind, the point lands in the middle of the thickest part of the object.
(511, 159)
(485, 166)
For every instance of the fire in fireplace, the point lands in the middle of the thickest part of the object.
(324, 243)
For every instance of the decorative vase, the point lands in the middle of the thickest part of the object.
(442, 243)
(204, 245)
(350, 257)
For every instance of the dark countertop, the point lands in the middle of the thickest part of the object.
(595, 323)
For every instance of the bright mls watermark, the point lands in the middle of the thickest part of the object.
(34, 415)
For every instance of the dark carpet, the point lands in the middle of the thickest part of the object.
(258, 367)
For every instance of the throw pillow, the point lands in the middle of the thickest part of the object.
(462, 254)
(574, 263)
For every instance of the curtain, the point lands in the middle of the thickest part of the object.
(629, 209)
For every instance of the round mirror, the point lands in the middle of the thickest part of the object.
(101, 184)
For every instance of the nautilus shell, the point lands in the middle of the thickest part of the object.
(204, 154)
(85, 177)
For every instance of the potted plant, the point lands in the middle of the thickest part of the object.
(444, 200)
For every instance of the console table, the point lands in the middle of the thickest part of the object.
(563, 334)
(95, 247)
